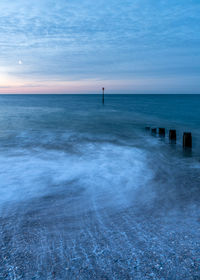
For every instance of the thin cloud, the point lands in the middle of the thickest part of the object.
(72, 40)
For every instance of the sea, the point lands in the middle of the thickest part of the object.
(86, 192)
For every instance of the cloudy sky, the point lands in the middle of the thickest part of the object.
(78, 46)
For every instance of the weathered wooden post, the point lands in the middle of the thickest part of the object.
(153, 131)
(161, 132)
(187, 140)
(172, 135)
(103, 95)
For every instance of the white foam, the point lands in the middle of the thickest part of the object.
(107, 172)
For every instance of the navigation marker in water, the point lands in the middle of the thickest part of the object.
(103, 95)
(187, 140)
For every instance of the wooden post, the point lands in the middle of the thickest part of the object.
(103, 95)
(153, 131)
(187, 140)
(162, 132)
(172, 135)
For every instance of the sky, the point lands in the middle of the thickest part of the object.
(80, 46)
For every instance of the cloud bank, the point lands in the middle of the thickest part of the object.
(136, 46)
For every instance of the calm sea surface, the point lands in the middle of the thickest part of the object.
(87, 193)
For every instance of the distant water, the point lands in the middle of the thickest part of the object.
(86, 193)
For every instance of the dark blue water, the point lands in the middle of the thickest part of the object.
(86, 193)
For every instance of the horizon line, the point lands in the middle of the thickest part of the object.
(100, 93)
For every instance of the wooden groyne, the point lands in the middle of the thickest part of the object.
(161, 132)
